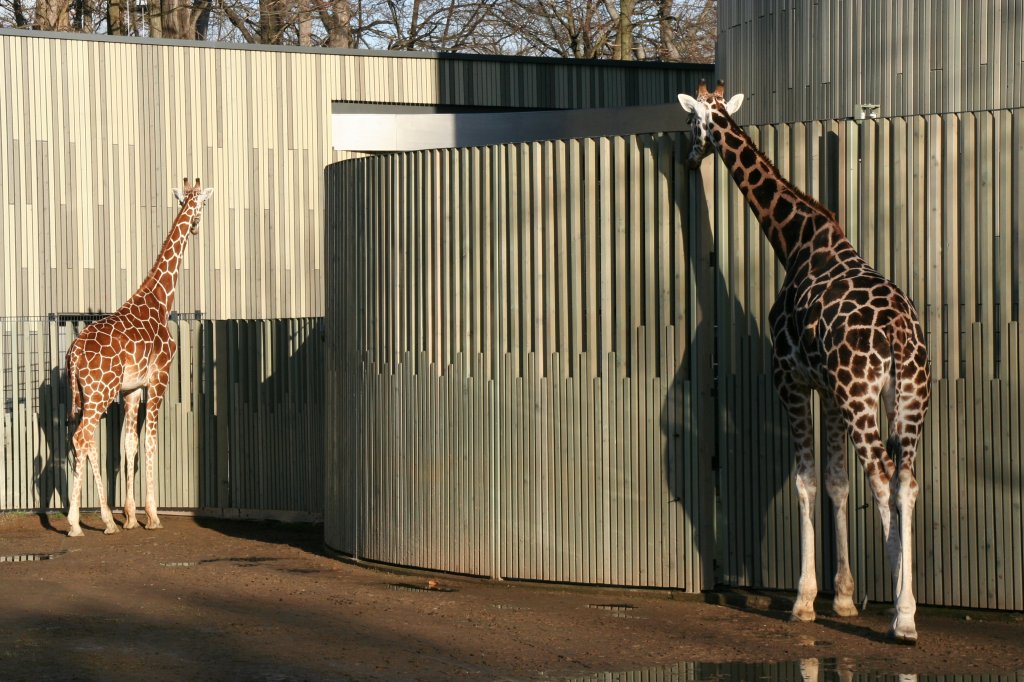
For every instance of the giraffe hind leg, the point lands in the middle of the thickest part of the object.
(84, 444)
(101, 492)
(129, 449)
(837, 483)
(154, 400)
(797, 401)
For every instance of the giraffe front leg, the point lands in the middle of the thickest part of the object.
(798, 405)
(130, 448)
(837, 483)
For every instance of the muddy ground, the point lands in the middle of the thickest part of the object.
(227, 600)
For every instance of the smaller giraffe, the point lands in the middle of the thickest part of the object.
(842, 329)
(129, 351)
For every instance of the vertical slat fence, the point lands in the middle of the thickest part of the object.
(245, 393)
(597, 371)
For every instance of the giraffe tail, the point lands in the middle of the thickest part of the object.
(909, 359)
(71, 362)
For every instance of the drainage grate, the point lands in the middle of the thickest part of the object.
(617, 610)
(17, 558)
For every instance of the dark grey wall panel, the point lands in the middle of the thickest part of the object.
(803, 60)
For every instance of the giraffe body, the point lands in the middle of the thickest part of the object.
(842, 329)
(129, 352)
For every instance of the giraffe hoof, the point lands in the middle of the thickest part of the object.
(75, 533)
(906, 634)
(802, 615)
(130, 523)
(153, 526)
(111, 529)
(844, 608)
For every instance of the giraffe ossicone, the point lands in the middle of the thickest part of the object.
(129, 352)
(842, 329)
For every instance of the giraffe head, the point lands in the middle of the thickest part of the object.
(706, 105)
(192, 198)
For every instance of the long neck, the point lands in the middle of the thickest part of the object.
(162, 279)
(789, 218)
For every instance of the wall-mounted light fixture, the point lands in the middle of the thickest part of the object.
(866, 111)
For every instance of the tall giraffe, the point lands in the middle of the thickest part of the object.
(839, 328)
(127, 352)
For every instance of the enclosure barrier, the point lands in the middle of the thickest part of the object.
(550, 360)
(239, 432)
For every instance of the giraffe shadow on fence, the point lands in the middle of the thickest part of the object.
(754, 536)
(270, 425)
(734, 438)
(51, 475)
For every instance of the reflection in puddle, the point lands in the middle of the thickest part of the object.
(804, 670)
(18, 558)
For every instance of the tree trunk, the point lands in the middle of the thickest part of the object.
(666, 33)
(203, 10)
(336, 17)
(271, 26)
(53, 15)
(305, 23)
(20, 18)
(115, 18)
(625, 31)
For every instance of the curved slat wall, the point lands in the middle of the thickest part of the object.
(520, 364)
(95, 132)
(804, 60)
(515, 375)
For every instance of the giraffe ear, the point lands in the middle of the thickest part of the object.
(734, 103)
(690, 104)
(179, 197)
(206, 193)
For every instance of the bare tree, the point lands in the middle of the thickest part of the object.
(442, 25)
(589, 29)
(686, 30)
(574, 28)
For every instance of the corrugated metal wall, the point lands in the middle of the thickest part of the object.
(94, 133)
(241, 426)
(515, 382)
(803, 60)
(525, 333)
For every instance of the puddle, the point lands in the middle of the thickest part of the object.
(804, 670)
(18, 558)
(417, 588)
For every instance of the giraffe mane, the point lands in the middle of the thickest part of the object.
(801, 194)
